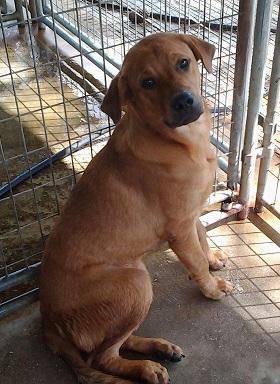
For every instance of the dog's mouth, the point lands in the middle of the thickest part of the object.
(185, 108)
(179, 121)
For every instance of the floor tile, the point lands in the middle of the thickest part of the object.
(238, 250)
(244, 228)
(272, 258)
(210, 243)
(267, 283)
(276, 269)
(253, 238)
(252, 298)
(227, 240)
(265, 248)
(274, 295)
(244, 286)
(270, 325)
(259, 272)
(243, 313)
(248, 261)
(276, 337)
(220, 231)
(263, 311)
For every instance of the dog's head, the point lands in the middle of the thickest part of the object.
(160, 80)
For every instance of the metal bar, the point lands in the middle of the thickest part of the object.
(264, 226)
(223, 147)
(269, 207)
(84, 37)
(19, 11)
(93, 57)
(40, 14)
(72, 148)
(269, 127)
(18, 277)
(33, 10)
(21, 301)
(223, 164)
(214, 218)
(261, 40)
(10, 16)
(245, 34)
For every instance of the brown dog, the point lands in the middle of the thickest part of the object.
(147, 186)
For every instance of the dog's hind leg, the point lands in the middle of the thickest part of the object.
(128, 308)
(160, 347)
(109, 310)
(216, 258)
(72, 355)
(145, 370)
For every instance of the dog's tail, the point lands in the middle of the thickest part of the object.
(91, 376)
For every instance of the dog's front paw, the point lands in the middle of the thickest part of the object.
(216, 288)
(217, 259)
(168, 351)
(154, 373)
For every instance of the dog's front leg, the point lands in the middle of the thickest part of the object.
(216, 258)
(188, 248)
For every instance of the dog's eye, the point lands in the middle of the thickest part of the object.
(183, 64)
(148, 83)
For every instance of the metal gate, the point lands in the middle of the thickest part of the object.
(56, 60)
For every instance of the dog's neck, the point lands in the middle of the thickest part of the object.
(166, 145)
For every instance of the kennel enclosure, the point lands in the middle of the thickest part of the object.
(57, 58)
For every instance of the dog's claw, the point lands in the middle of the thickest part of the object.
(175, 358)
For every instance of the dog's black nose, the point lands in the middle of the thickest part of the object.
(186, 108)
(183, 101)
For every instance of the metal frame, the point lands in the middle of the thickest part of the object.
(244, 51)
(17, 15)
(249, 155)
(270, 128)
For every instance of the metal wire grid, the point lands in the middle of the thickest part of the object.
(104, 31)
(29, 96)
(113, 31)
(101, 33)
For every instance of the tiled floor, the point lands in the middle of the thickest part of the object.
(254, 268)
(231, 341)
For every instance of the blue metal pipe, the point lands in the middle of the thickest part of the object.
(47, 162)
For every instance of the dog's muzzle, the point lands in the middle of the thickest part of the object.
(185, 108)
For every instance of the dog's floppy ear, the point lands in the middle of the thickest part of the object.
(202, 50)
(111, 104)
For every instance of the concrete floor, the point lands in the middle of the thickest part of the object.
(231, 341)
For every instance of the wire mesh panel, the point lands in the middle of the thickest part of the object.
(104, 31)
(53, 76)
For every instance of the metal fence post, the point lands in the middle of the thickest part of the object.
(261, 40)
(269, 127)
(244, 51)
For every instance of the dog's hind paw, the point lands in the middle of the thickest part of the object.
(154, 373)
